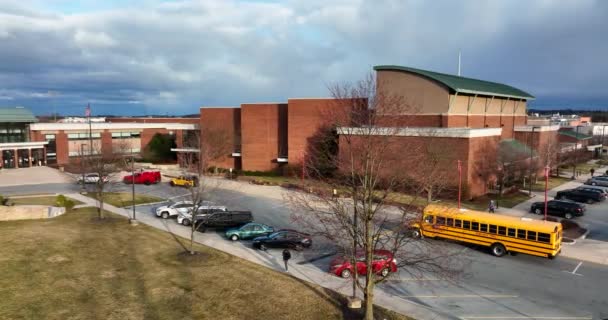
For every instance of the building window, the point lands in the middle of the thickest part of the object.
(125, 135)
(83, 136)
(49, 137)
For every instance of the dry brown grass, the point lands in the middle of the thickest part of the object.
(77, 267)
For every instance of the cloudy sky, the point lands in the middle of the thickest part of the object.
(171, 57)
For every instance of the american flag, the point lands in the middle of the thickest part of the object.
(87, 111)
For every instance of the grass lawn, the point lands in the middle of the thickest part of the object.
(77, 267)
(45, 201)
(553, 182)
(505, 201)
(123, 199)
(582, 167)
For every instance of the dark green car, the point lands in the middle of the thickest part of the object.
(249, 231)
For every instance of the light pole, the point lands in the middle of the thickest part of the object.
(575, 154)
(83, 188)
(459, 182)
(530, 164)
(133, 221)
(546, 187)
(602, 153)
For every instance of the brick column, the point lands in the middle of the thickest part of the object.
(16, 158)
(44, 155)
(1, 159)
(29, 157)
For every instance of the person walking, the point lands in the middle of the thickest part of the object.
(286, 257)
(492, 206)
(592, 171)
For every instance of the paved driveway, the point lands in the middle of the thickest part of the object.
(32, 176)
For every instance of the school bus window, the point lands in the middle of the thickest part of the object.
(475, 226)
(492, 228)
(466, 224)
(428, 219)
(441, 221)
(544, 237)
(521, 234)
(483, 227)
(502, 231)
(458, 223)
(450, 222)
(532, 235)
(511, 232)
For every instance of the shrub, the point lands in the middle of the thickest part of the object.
(62, 201)
(3, 201)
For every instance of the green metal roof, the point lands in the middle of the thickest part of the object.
(573, 134)
(16, 114)
(464, 85)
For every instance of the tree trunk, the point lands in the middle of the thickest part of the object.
(192, 235)
(369, 300)
(429, 195)
(369, 275)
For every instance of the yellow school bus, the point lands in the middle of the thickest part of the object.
(499, 232)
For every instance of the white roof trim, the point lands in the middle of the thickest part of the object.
(486, 93)
(193, 150)
(422, 132)
(50, 126)
(528, 128)
(23, 145)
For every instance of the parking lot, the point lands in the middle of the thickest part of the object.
(491, 288)
(522, 287)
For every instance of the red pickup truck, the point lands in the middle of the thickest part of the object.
(145, 177)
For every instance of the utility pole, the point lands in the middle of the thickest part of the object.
(459, 62)
(546, 187)
(133, 221)
(83, 188)
(575, 154)
(530, 163)
(459, 182)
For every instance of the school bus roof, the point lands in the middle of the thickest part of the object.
(493, 218)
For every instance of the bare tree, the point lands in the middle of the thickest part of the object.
(205, 150)
(362, 222)
(106, 167)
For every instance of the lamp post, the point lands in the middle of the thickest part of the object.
(530, 164)
(459, 182)
(83, 188)
(133, 221)
(602, 153)
(575, 153)
(546, 187)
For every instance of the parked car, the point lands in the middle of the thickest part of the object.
(222, 219)
(598, 181)
(174, 209)
(249, 231)
(383, 264)
(185, 218)
(566, 209)
(91, 178)
(581, 195)
(285, 238)
(184, 181)
(602, 190)
(144, 177)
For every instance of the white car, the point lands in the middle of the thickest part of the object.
(185, 218)
(90, 178)
(174, 209)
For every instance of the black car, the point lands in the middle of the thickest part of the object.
(223, 219)
(283, 239)
(581, 195)
(566, 209)
(594, 189)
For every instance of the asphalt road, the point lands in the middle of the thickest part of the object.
(511, 287)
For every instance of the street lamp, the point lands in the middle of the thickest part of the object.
(603, 128)
(133, 221)
(575, 153)
(530, 164)
(83, 188)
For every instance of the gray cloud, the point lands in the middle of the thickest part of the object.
(176, 56)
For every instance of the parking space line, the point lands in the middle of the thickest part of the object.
(462, 296)
(412, 279)
(575, 269)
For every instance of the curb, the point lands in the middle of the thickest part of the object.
(145, 204)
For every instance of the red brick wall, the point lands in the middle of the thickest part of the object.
(260, 136)
(304, 119)
(411, 121)
(154, 120)
(477, 156)
(225, 120)
(61, 141)
(106, 144)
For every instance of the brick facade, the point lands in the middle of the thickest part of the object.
(225, 122)
(260, 136)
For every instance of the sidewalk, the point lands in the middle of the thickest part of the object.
(305, 271)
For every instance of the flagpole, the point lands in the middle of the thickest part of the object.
(90, 133)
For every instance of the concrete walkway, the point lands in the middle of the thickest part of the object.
(305, 271)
